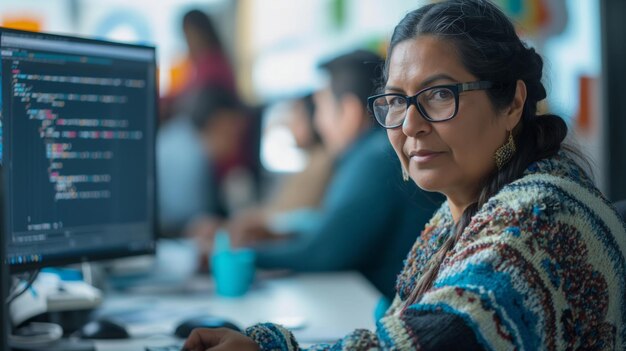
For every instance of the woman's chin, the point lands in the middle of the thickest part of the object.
(428, 182)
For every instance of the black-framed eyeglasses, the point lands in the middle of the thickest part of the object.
(436, 104)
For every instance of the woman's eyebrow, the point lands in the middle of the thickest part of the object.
(395, 89)
(429, 81)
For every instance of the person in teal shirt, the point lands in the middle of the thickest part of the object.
(369, 216)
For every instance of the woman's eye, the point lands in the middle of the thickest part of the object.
(395, 101)
(441, 94)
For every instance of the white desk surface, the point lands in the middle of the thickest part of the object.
(326, 306)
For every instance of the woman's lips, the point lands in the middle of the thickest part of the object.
(422, 156)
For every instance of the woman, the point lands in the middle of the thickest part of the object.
(525, 253)
(208, 66)
(211, 66)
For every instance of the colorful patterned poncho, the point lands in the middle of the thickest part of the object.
(541, 266)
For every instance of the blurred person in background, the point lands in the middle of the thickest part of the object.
(368, 217)
(208, 65)
(186, 183)
(294, 204)
(229, 136)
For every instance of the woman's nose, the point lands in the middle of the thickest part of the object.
(414, 123)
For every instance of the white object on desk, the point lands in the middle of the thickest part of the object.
(50, 294)
(328, 305)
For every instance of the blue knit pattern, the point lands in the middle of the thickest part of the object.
(541, 266)
(272, 337)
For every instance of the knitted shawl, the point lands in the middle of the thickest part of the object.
(541, 266)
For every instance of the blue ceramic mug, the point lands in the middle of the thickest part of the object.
(233, 271)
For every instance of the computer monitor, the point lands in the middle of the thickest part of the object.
(77, 123)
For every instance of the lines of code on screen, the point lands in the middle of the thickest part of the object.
(77, 140)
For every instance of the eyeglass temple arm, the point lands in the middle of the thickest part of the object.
(474, 86)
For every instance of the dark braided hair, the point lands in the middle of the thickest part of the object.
(490, 49)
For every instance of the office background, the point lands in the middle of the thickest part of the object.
(275, 47)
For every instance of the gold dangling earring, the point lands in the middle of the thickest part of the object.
(505, 152)
(405, 175)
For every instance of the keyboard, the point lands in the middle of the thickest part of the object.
(164, 348)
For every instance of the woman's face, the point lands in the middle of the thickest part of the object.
(454, 156)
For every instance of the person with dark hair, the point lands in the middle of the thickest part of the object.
(211, 67)
(200, 33)
(207, 65)
(295, 201)
(367, 218)
(228, 134)
(185, 183)
(526, 253)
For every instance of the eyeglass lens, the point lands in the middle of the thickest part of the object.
(437, 103)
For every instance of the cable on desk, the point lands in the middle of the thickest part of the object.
(29, 283)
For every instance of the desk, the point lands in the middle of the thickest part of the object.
(329, 306)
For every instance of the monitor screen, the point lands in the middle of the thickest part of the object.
(77, 123)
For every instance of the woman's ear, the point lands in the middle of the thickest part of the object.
(515, 109)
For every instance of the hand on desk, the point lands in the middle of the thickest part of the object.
(220, 339)
(202, 230)
(246, 229)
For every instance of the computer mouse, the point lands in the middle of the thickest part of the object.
(102, 329)
(185, 327)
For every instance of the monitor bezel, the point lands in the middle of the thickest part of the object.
(4, 277)
(96, 255)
